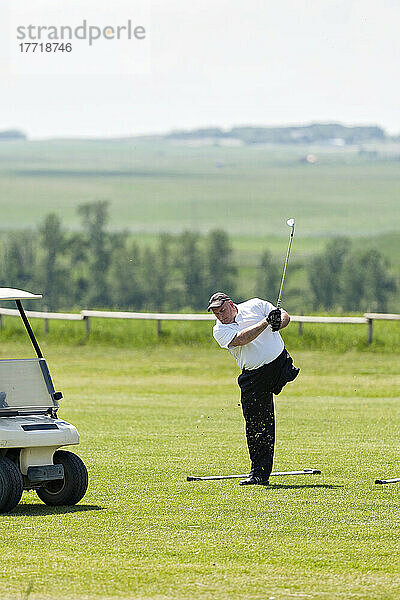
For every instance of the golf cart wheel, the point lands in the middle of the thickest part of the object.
(12, 487)
(72, 487)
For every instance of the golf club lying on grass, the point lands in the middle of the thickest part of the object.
(383, 481)
(277, 473)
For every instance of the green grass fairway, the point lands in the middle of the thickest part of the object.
(148, 418)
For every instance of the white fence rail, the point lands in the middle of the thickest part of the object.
(85, 315)
(12, 312)
(148, 316)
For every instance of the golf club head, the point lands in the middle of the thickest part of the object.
(290, 222)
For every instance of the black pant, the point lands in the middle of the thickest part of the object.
(257, 388)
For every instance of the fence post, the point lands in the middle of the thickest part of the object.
(87, 324)
(300, 326)
(46, 321)
(370, 330)
(158, 327)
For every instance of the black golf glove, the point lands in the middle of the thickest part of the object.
(275, 319)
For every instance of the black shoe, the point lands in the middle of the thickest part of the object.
(254, 480)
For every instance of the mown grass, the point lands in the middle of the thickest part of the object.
(149, 417)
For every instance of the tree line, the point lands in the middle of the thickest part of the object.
(301, 134)
(343, 277)
(97, 268)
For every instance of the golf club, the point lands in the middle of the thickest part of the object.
(243, 476)
(383, 481)
(289, 222)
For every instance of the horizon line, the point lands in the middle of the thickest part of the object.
(175, 130)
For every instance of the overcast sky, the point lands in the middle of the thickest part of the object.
(205, 62)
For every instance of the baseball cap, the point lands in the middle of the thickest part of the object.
(217, 300)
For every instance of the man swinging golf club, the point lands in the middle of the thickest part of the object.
(250, 332)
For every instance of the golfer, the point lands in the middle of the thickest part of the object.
(250, 332)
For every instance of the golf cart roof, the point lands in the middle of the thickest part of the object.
(12, 294)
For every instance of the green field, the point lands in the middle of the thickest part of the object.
(158, 186)
(152, 410)
(142, 335)
(148, 417)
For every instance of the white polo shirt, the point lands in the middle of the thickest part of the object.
(264, 349)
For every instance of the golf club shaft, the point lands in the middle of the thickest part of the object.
(278, 303)
(244, 475)
(382, 481)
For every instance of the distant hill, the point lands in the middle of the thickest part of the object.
(12, 134)
(328, 133)
(331, 134)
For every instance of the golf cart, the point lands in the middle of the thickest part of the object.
(30, 431)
